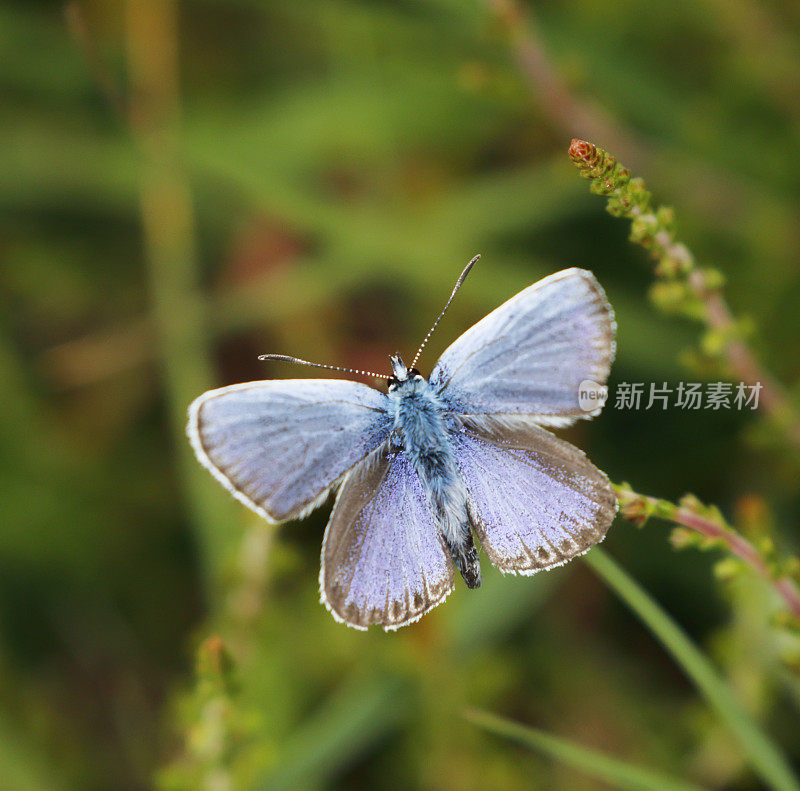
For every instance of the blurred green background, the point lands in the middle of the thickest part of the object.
(186, 185)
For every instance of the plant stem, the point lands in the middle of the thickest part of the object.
(684, 287)
(774, 399)
(168, 229)
(637, 508)
(549, 89)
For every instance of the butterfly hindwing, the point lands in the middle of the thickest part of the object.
(535, 501)
(279, 446)
(384, 560)
(528, 357)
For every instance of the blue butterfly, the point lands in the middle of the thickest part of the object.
(420, 467)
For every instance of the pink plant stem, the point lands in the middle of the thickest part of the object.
(551, 91)
(773, 398)
(739, 546)
(788, 590)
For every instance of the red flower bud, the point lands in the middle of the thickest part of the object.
(584, 154)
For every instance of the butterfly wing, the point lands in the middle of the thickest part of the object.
(383, 559)
(279, 446)
(535, 501)
(528, 357)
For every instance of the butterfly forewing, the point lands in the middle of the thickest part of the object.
(279, 446)
(383, 558)
(528, 357)
(535, 501)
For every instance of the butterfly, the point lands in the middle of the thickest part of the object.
(422, 467)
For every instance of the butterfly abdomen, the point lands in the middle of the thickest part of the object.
(420, 428)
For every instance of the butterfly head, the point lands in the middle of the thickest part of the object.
(400, 373)
(398, 368)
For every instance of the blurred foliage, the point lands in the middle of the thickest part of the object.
(187, 185)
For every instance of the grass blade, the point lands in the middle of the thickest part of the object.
(356, 716)
(619, 774)
(765, 757)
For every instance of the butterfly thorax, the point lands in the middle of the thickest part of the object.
(421, 432)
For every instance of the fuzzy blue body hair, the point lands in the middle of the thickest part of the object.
(422, 432)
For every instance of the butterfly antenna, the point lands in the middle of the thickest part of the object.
(286, 358)
(462, 277)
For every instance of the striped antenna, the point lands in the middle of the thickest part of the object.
(286, 358)
(458, 285)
